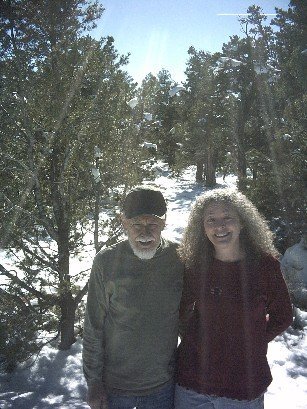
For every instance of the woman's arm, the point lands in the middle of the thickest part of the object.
(279, 307)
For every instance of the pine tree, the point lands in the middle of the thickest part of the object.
(204, 115)
(67, 142)
(268, 141)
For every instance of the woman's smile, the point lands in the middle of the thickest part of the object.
(222, 227)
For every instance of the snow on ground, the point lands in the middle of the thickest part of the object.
(287, 356)
(55, 380)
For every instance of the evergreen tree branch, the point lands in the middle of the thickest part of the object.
(44, 262)
(22, 284)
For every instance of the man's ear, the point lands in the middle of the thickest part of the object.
(164, 222)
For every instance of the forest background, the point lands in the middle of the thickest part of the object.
(77, 132)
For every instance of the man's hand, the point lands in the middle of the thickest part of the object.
(97, 397)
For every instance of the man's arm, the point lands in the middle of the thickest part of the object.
(93, 334)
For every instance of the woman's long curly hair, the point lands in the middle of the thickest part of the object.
(256, 239)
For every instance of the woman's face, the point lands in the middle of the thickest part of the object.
(222, 227)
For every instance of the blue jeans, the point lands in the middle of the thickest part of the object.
(162, 399)
(188, 399)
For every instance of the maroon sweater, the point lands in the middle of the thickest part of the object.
(223, 351)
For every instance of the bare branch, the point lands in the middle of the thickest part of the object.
(81, 294)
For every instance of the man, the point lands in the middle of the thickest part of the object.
(131, 320)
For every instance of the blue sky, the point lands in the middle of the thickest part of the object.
(158, 33)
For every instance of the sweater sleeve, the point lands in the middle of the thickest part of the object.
(279, 305)
(93, 332)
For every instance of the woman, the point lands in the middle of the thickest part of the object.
(237, 300)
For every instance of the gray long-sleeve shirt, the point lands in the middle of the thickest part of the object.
(131, 320)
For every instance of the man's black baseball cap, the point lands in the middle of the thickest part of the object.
(144, 200)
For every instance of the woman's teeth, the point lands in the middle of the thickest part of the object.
(221, 234)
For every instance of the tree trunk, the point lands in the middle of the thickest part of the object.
(67, 323)
(199, 171)
(247, 98)
(67, 303)
(61, 209)
(210, 168)
(96, 219)
(241, 163)
(241, 157)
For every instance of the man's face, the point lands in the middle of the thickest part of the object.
(144, 234)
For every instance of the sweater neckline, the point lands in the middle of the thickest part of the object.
(227, 263)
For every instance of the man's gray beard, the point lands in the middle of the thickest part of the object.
(143, 254)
